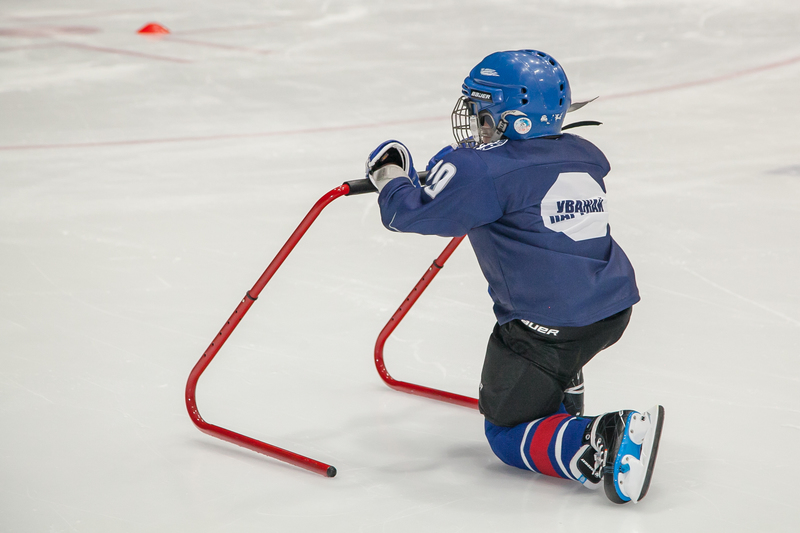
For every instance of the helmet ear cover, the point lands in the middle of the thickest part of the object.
(503, 124)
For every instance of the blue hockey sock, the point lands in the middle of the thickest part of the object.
(547, 445)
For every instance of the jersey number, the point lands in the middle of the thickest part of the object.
(439, 177)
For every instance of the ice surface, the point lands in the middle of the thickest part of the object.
(145, 183)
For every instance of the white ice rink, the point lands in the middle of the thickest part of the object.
(145, 184)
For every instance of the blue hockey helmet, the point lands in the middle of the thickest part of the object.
(518, 94)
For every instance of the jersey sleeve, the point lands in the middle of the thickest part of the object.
(459, 195)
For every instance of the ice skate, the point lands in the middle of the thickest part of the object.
(627, 444)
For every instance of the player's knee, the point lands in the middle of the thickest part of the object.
(504, 444)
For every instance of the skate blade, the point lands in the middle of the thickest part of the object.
(650, 447)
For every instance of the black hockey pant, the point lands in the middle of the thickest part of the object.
(528, 366)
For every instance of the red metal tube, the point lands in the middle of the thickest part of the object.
(416, 292)
(212, 350)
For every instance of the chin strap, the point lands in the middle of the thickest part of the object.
(503, 124)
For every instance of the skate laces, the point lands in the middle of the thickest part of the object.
(599, 462)
(603, 433)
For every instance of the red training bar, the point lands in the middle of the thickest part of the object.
(346, 189)
(401, 312)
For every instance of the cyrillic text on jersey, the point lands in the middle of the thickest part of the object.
(576, 206)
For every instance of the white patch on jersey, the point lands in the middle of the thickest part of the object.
(576, 206)
(439, 177)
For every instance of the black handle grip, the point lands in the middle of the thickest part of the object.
(364, 186)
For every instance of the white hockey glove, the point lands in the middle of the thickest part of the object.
(390, 160)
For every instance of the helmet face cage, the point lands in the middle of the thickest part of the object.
(464, 123)
(471, 125)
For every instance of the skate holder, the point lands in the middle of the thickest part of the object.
(346, 189)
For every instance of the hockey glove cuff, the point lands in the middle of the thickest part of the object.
(381, 177)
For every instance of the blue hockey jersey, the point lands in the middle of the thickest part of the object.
(536, 215)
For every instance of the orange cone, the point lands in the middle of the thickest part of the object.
(153, 28)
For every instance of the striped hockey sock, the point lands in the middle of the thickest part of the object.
(551, 445)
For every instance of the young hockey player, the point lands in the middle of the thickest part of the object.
(533, 202)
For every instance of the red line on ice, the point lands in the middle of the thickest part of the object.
(330, 129)
(216, 45)
(119, 51)
(324, 129)
(706, 81)
(25, 47)
(86, 14)
(224, 28)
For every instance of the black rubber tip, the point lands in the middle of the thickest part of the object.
(331, 471)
